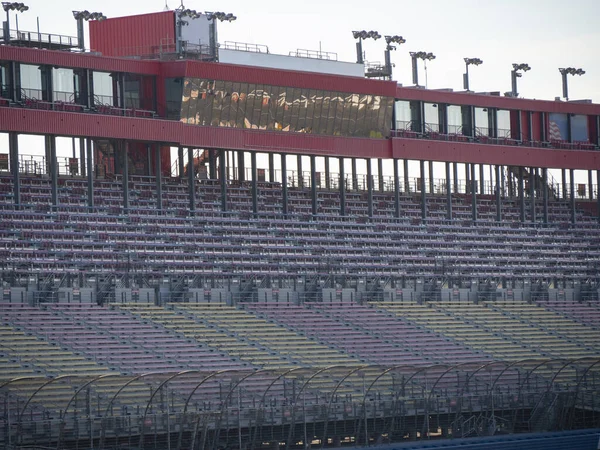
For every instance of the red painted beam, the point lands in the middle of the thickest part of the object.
(465, 152)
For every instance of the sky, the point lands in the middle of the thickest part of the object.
(546, 34)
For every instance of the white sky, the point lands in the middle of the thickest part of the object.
(547, 34)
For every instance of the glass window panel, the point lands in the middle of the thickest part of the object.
(287, 108)
(481, 122)
(273, 106)
(226, 104)
(403, 114)
(242, 106)
(214, 98)
(281, 108)
(503, 120)
(309, 118)
(249, 110)
(431, 118)
(131, 89)
(63, 85)
(303, 126)
(454, 119)
(295, 109)
(103, 87)
(347, 113)
(234, 104)
(258, 104)
(265, 108)
(330, 111)
(363, 107)
(322, 103)
(579, 128)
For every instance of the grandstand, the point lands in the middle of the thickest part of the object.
(158, 293)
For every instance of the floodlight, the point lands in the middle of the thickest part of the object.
(568, 71)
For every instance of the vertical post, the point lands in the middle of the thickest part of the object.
(254, 182)
(521, 195)
(191, 181)
(369, 188)
(53, 166)
(532, 193)
(124, 145)
(241, 166)
(396, 188)
(354, 175)
(13, 148)
(342, 186)
(90, 174)
(406, 180)
(455, 176)
(271, 168)
(545, 193)
(82, 156)
(473, 193)
(284, 184)
(572, 183)
(299, 166)
(313, 183)
(222, 177)
(590, 185)
(327, 174)
(213, 155)
(180, 162)
(563, 177)
(157, 164)
(431, 189)
(467, 178)
(598, 192)
(498, 194)
(380, 174)
(481, 180)
(423, 196)
(448, 192)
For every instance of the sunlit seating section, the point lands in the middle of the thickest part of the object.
(278, 339)
(583, 312)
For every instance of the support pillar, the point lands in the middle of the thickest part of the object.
(254, 182)
(431, 177)
(598, 193)
(52, 168)
(222, 176)
(498, 194)
(545, 193)
(241, 166)
(354, 175)
(521, 195)
(157, 163)
(212, 164)
(82, 156)
(406, 179)
(300, 176)
(532, 193)
(180, 162)
(342, 186)
(90, 174)
(271, 168)
(191, 181)
(13, 148)
(481, 180)
(455, 176)
(473, 193)
(369, 188)
(448, 192)
(423, 196)
(313, 183)
(590, 185)
(380, 174)
(572, 183)
(467, 178)
(284, 184)
(327, 174)
(124, 147)
(396, 188)
(563, 177)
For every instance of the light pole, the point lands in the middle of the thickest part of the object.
(389, 40)
(8, 6)
(360, 35)
(80, 16)
(468, 62)
(212, 29)
(425, 56)
(564, 73)
(515, 74)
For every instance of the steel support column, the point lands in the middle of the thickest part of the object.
(180, 162)
(532, 193)
(342, 187)
(191, 181)
(481, 180)
(572, 184)
(396, 188)
(468, 178)
(158, 168)
(406, 179)
(380, 174)
(473, 193)
(82, 156)
(521, 195)
(545, 193)
(13, 149)
(300, 176)
(327, 174)
(422, 187)
(212, 164)
(499, 193)
(313, 183)
(90, 173)
(241, 166)
(254, 182)
(455, 176)
(563, 177)
(284, 184)
(222, 176)
(354, 175)
(53, 168)
(124, 153)
(448, 192)
(431, 189)
(590, 185)
(271, 168)
(369, 188)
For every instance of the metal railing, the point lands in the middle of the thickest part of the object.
(34, 39)
(245, 47)
(314, 54)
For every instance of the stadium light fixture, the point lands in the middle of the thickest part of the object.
(396, 39)
(568, 71)
(515, 73)
(425, 56)
(361, 35)
(212, 29)
(7, 7)
(80, 16)
(469, 62)
(220, 16)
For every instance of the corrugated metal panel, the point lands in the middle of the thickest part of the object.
(78, 60)
(134, 35)
(420, 149)
(277, 77)
(492, 101)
